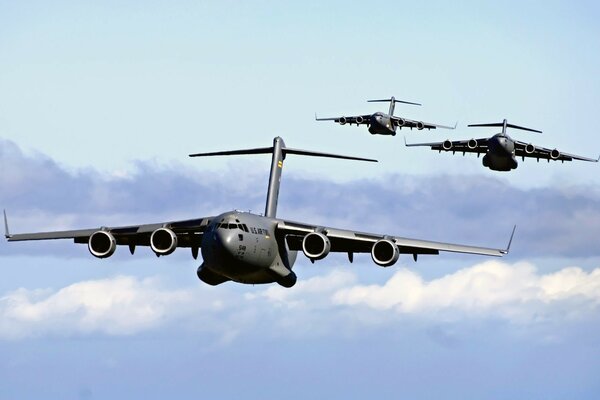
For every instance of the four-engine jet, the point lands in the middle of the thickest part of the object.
(385, 124)
(250, 248)
(501, 151)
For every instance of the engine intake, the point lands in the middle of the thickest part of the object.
(102, 244)
(447, 145)
(343, 120)
(529, 148)
(472, 144)
(400, 121)
(385, 253)
(554, 154)
(360, 120)
(316, 246)
(163, 241)
(420, 125)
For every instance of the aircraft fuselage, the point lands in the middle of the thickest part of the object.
(500, 155)
(381, 124)
(242, 247)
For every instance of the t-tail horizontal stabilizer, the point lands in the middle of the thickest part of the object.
(278, 151)
(504, 124)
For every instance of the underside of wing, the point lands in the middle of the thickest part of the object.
(530, 150)
(163, 237)
(409, 123)
(355, 119)
(316, 242)
(456, 146)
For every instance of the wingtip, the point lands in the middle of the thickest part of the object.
(510, 240)
(7, 234)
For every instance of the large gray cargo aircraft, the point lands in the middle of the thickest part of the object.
(249, 248)
(381, 123)
(501, 151)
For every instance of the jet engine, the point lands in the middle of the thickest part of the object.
(163, 241)
(420, 125)
(472, 144)
(447, 145)
(343, 120)
(359, 120)
(316, 246)
(102, 244)
(385, 253)
(400, 121)
(529, 148)
(554, 154)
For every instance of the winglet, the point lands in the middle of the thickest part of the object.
(455, 125)
(6, 231)
(405, 144)
(316, 118)
(510, 241)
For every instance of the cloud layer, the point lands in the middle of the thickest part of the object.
(322, 305)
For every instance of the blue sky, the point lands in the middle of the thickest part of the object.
(101, 103)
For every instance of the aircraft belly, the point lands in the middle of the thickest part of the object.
(502, 162)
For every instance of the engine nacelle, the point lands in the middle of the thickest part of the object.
(529, 148)
(163, 241)
(360, 120)
(554, 154)
(447, 145)
(400, 122)
(343, 120)
(420, 125)
(316, 246)
(385, 253)
(472, 144)
(102, 244)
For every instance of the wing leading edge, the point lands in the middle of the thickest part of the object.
(359, 242)
(189, 233)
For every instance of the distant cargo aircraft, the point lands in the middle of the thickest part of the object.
(501, 151)
(250, 248)
(381, 123)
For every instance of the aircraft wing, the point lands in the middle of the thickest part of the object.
(189, 233)
(350, 242)
(523, 149)
(460, 146)
(409, 123)
(356, 119)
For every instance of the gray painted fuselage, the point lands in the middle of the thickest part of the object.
(242, 247)
(381, 124)
(500, 155)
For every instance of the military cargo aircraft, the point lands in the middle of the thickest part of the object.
(381, 123)
(501, 151)
(250, 248)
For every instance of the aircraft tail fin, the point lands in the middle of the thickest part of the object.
(392, 100)
(504, 124)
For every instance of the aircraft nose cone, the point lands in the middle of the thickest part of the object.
(224, 237)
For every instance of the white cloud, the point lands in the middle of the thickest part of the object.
(322, 305)
(495, 289)
(116, 306)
